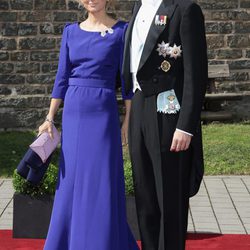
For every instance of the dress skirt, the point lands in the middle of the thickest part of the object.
(89, 208)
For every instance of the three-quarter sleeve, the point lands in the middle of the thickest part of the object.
(130, 94)
(64, 68)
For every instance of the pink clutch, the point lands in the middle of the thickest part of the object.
(44, 145)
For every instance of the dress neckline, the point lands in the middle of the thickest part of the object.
(95, 31)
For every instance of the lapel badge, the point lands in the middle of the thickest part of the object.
(160, 20)
(165, 66)
(163, 49)
(175, 51)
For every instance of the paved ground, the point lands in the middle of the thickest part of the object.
(221, 206)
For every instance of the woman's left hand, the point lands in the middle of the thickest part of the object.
(124, 133)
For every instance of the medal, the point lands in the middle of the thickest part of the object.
(167, 102)
(163, 49)
(160, 20)
(175, 51)
(165, 66)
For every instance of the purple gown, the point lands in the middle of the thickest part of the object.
(89, 208)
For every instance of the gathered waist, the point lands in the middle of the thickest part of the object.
(92, 82)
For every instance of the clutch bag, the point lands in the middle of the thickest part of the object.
(44, 145)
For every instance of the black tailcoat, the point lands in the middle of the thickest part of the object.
(188, 74)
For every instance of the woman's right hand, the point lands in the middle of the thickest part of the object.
(46, 126)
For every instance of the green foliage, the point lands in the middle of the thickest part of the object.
(128, 174)
(46, 186)
(226, 151)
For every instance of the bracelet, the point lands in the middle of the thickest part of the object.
(49, 120)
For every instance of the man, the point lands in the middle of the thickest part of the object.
(165, 63)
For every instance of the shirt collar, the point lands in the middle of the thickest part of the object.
(151, 2)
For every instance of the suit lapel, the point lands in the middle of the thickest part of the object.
(167, 9)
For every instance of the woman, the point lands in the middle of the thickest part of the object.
(89, 207)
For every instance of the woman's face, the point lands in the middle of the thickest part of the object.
(94, 6)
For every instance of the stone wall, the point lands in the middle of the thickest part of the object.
(30, 33)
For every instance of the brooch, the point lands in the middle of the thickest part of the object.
(160, 20)
(167, 102)
(104, 32)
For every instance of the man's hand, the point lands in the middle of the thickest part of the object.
(180, 142)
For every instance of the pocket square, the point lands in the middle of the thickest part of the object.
(44, 145)
(167, 102)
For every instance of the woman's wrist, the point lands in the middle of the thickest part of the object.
(50, 118)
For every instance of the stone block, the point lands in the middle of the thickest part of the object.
(225, 27)
(4, 90)
(27, 29)
(239, 64)
(37, 43)
(7, 43)
(215, 41)
(64, 16)
(6, 68)
(49, 67)
(27, 68)
(244, 4)
(46, 28)
(4, 55)
(27, 119)
(40, 79)
(238, 41)
(242, 27)
(229, 53)
(24, 102)
(211, 27)
(50, 4)
(8, 29)
(4, 5)
(230, 15)
(21, 4)
(11, 79)
(73, 5)
(44, 56)
(215, 5)
(35, 16)
(29, 89)
(19, 56)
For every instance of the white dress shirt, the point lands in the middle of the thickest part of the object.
(141, 27)
(140, 31)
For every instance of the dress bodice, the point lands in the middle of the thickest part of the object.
(90, 54)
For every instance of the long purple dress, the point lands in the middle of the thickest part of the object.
(89, 207)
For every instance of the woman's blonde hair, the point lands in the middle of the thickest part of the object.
(110, 7)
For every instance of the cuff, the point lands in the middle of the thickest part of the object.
(184, 132)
